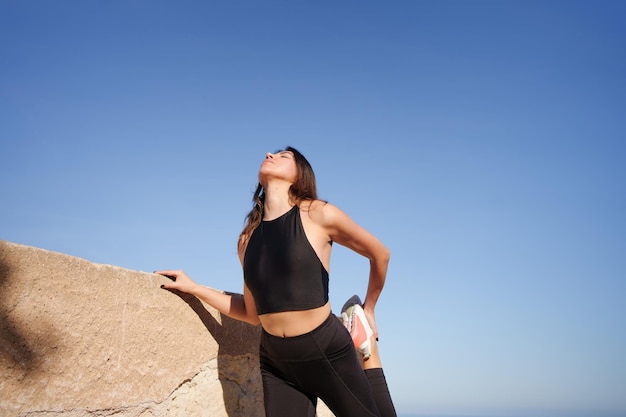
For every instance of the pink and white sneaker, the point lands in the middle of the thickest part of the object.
(353, 318)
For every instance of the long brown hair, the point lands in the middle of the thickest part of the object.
(303, 188)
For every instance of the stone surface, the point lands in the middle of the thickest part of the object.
(83, 339)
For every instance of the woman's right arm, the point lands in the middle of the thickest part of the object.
(238, 306)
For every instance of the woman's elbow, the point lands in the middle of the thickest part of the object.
(253, 320)
(385, 255)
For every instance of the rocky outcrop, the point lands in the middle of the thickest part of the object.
(82, 339)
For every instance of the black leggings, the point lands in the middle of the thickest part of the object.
(322, 363)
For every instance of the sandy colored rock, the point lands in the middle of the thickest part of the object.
(83, 339)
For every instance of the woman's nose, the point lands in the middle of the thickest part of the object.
(269, 155)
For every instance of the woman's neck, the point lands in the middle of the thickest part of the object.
(277, 201)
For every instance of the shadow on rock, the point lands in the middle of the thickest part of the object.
(234, 338)
(22, 350)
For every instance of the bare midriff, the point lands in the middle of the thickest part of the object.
(294, 323)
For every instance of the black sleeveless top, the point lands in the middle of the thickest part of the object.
(281, 268)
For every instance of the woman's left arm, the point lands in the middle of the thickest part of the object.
(346, 232)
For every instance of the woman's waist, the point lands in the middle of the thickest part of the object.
(294, 323)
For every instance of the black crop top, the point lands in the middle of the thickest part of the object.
(281, 268)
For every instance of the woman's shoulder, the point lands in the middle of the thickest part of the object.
(314, 206)
(320, 211)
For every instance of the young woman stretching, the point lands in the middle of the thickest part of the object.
(305, 353)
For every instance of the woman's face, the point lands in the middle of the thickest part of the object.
(279, 165)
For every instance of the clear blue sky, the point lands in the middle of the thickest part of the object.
(483, 141)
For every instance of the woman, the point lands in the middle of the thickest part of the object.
(284, 249)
